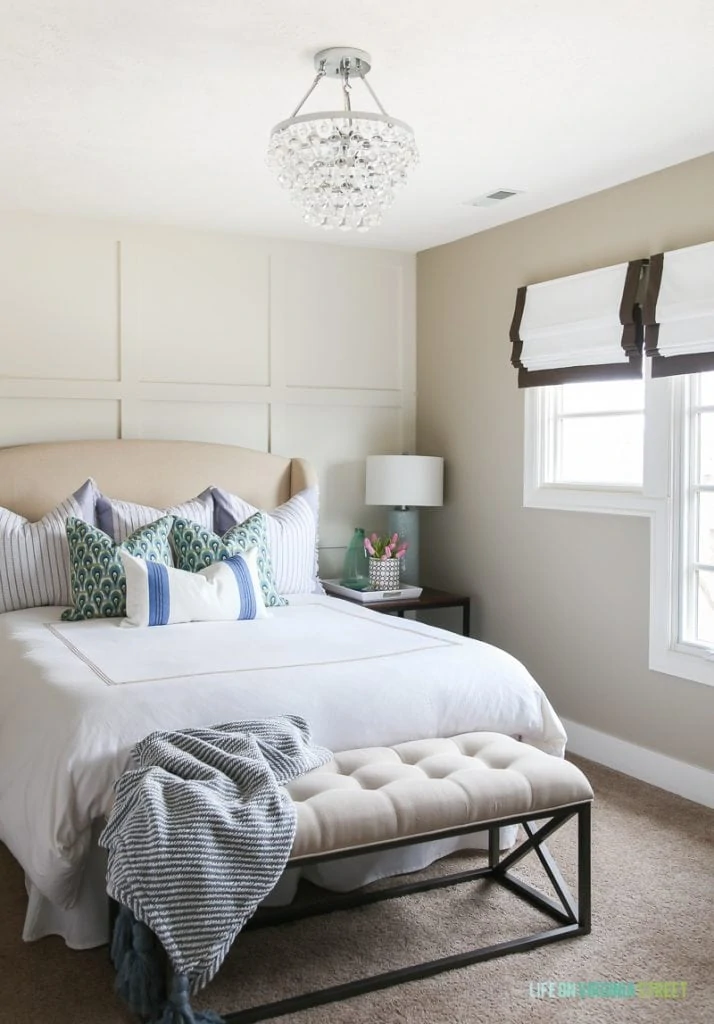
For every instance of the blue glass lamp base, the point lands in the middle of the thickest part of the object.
(405, 522)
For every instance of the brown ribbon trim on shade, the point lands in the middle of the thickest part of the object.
(515, 332)
(630, 314)
(666, 366)
(649, 307)
(581, 374)
(632, 341)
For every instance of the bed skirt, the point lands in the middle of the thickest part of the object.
(86, 924)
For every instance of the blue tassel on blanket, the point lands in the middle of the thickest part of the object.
(121, 936)
(141, 965)
(178, 1008)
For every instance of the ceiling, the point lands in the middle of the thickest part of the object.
(160, 110)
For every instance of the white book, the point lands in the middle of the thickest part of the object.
(368, 596)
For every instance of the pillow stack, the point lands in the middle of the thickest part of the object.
(213, 557)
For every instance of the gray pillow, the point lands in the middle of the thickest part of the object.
(34, 557)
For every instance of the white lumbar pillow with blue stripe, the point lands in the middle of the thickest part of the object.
(159, 595)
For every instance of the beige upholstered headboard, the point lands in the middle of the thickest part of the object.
(35, 477)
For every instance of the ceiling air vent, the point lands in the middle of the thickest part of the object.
(498, 196)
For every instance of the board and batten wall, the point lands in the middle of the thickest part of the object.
(117, 330)
(566, 592)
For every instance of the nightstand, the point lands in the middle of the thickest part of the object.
(429, 598)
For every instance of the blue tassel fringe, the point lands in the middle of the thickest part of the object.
(141, 966)
(178, 1008)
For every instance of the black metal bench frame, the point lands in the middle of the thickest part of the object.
(572, 916)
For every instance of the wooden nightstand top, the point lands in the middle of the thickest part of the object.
(429, 598)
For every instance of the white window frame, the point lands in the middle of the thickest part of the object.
(659, 499)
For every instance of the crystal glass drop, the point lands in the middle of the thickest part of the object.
(342, 171)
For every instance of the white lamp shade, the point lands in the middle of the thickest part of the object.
(408, 480)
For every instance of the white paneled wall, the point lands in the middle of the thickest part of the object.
(112, 330)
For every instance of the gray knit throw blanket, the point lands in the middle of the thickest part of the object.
(201, 831)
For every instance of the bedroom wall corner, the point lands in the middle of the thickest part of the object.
(566, 592)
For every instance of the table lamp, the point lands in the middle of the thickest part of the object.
(406, 483)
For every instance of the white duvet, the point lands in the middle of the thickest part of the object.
(75, 697)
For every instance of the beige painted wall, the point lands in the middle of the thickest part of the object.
(566, 592)
(111, 329)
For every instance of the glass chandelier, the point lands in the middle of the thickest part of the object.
(342, 167)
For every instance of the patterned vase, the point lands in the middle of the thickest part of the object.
(384, 574)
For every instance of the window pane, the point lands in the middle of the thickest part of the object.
(705, 606)
(603, 396)
(706, 447)
(706, 388)
(601, 450)
(706, 528)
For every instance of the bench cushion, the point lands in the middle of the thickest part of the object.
(378, 794)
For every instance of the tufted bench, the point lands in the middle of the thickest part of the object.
(379, 798)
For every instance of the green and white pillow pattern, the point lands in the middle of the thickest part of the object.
(196, 547)
(97, 579)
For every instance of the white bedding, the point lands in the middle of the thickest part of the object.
(75, 697)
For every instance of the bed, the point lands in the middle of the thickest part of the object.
(75, 696)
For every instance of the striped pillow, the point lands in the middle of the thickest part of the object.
(120, 518)
(34, 557)
(157, 595)
(292, 536)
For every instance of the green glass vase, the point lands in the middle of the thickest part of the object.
(355, 572)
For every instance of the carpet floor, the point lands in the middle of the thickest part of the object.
(653, 921)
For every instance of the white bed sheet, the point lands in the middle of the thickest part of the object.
(75, 697)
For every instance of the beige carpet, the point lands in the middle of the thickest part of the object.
(653, 920)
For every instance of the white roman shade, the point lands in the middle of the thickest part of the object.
(679, 311)
(583, 327)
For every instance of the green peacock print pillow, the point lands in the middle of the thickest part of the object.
(97, 579)
(195, 547)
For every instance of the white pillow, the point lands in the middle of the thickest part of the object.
(120, 518)
(34, 557)
(291, 530)
(159, 595)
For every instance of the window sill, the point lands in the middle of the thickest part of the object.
(697, 667)
(586, 498)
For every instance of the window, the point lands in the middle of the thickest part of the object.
(696, 515)
(642, 447)
(585, 445)
(597, 433)
(601, 437)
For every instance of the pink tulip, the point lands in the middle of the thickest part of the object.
(384, 557)
(368, 545)
(395, 538)
(401, 551)
(388, 551)
(374, 538)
